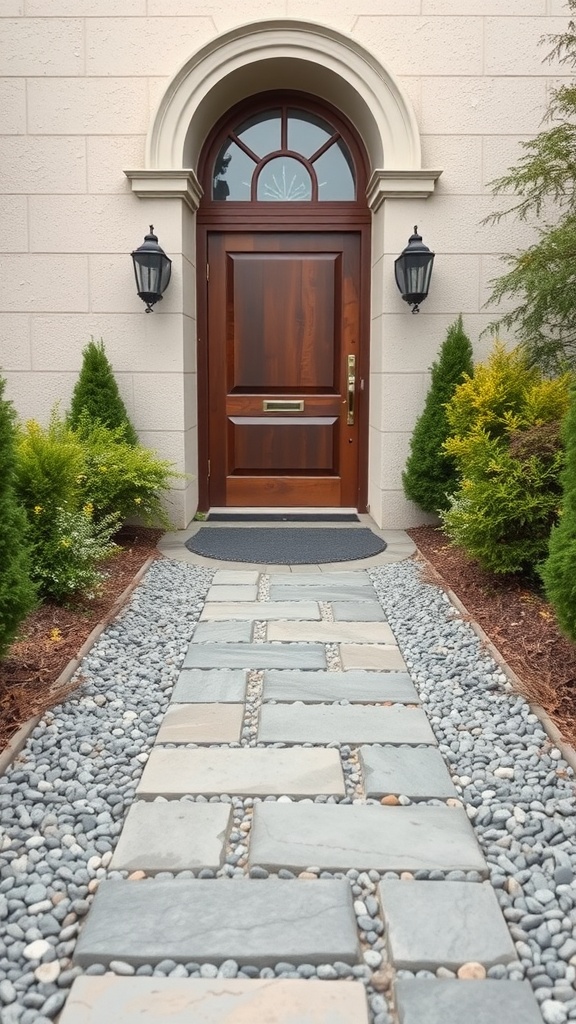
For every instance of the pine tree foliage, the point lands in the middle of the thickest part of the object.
(558, 572)
(542, 278)
(17, 594)
(96, 394)
(430, 475)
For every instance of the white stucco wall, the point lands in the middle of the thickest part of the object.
(80, 81)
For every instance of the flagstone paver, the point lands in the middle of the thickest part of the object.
(255, 656)
(201, 723)
(314, 579)
(173, 836)
(324, 591)
(225, 632)
(355, 687)
(222, 685)
(211, 920)
(419, 773)
(245, 771)
(372, 656)
(238, 592)
(294, 723)
(419, 1001)
(115, 1000)
(332, 632)
(253, 610)
(235, 577)
(357, 611)
(444, 924)
(340, 837)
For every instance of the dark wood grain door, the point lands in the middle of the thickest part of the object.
(283, 348)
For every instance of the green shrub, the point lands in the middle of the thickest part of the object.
(507, 447)
(66, 542)
(120, 479)
(96, 394)
(17, 592)
(558, 572)
(66, 560)
(431, 475)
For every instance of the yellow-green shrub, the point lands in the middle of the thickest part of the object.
(506, 442)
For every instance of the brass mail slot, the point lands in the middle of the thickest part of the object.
(286, 405)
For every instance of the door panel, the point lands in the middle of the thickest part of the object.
(283, 317)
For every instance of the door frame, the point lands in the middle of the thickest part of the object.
(325, 217)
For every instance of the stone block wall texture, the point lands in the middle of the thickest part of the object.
(79, 83)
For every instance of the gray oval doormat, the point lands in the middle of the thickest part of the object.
(286, 546)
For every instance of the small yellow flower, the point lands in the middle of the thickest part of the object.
(137, 501)
(88, 509)
(38, 509)
(103, 469)
(65, 542)
(55, 636)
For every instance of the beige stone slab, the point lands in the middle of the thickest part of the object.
(372, 656)
(333, 632)
(201, 723)
(265, 610)
(232, 592)
(99, 1000)
(247, 771)
(228, 577)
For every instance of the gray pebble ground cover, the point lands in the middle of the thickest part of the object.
(64, 801)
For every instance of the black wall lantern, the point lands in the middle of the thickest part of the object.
(413, 270)
(152, 269)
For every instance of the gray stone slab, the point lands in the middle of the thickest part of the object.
(211, 920)
(294, 723)
(340, 837)
(332, 632)
(358, 611)
(255, 656)
(444, 924)
(232, 577)
(172, 836)
(109, 998)
(419, 1001)
(245, 771)
(356, 687)
(253, 610)
(237, 592)
(201, 723)
(221, 685)
(381, 657)
(312, 579)
(225, 632)
(324, 590)
(419, 773)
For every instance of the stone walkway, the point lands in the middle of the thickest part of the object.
(295, 754)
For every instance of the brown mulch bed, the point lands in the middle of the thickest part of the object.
(518, 621)
(51, 636)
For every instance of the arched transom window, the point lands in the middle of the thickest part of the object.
(284, 154)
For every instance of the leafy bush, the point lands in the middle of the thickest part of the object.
(17, 592)
(558, 572)
(431, 475)
(507, 447)
(120, 479)
(66, 558)
(96, 394)
(66, 542)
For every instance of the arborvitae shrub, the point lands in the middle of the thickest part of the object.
(17, 593)
(431, 475)
(558, 572)
(96, 394)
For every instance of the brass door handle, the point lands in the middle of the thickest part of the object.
(351, 390)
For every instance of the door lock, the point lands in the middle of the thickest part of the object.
(351, 389)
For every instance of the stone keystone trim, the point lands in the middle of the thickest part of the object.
(242, 771)
(341, 837)
(102, 1000)
(208, 921)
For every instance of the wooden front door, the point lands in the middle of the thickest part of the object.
(283, 367)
